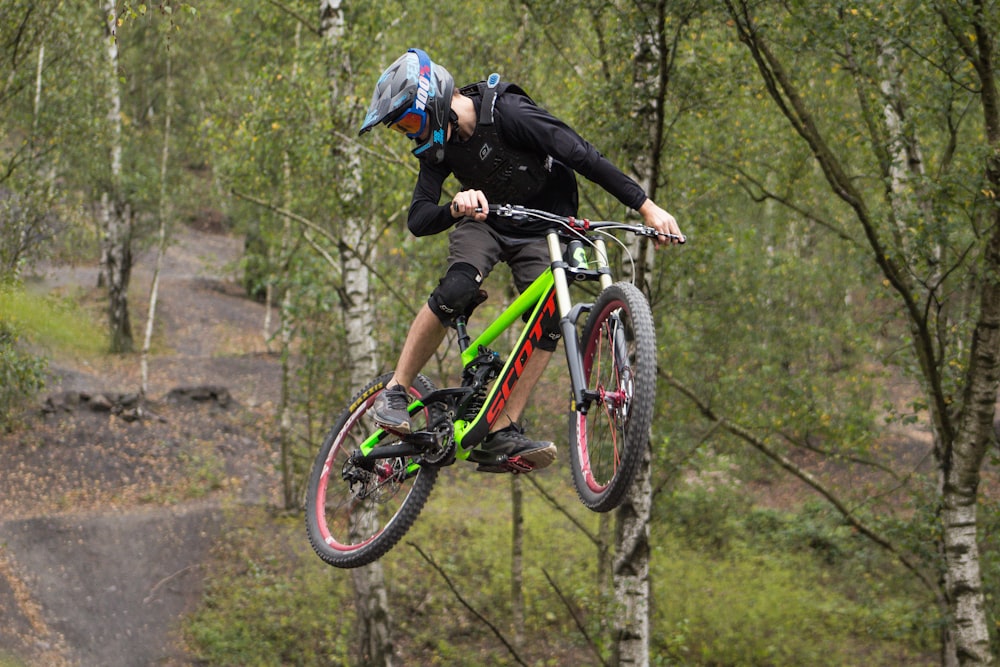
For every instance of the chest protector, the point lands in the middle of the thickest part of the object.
(505, 173)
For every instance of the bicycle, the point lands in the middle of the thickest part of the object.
(368, 485)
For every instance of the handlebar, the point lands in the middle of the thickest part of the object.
(579, 224)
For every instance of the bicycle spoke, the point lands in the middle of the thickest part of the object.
(358, 508)
(615, 347)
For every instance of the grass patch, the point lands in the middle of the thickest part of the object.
(751, 609)
(59, 325)
(269, 601)
(738, 585)
(740, 588)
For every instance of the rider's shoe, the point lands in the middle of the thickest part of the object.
(389, 410)
(520, 450)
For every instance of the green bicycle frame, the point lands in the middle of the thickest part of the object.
(539, 299)
(547, 298)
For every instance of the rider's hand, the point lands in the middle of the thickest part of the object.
(466, 202)
(662, 221)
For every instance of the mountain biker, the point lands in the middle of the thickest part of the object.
(504, 149)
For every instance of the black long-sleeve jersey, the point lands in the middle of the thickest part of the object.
(528, 127)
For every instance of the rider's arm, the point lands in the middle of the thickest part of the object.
(426, 216)
(530, 125)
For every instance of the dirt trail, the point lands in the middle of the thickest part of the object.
(106, 523)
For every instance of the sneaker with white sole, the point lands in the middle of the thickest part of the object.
(389, 411)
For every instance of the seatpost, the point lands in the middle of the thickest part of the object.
(463, 334)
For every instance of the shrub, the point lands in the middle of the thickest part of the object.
(22, 375)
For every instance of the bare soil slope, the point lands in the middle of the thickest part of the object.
(106, 520)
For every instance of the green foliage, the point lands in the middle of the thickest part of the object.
(22, 375)
(738, 587)
(989, 541)
(58, 326)
(751, 608)
(741, 584)
(775, 311)
(269, 604)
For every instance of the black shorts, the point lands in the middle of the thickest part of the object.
(478, 244)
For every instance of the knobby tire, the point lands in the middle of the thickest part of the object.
(618, 346)
(354, 526)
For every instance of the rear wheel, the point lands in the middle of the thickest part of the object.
(618, 345)
(354, 515)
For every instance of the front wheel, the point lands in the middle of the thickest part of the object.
(354, 515)
(618, 347)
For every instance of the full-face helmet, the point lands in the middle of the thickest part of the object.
(412, 96)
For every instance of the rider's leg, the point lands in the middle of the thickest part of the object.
(472, 255)
(390, 407)
(506, 436)
(527, 258)
(518, 398)
(423, 339)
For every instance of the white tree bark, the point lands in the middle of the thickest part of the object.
(631, 572)
(116, 216)
(962, 425)
(372, 601)
(164, 207)
(285, 436)
(957, 482)
(630, 569)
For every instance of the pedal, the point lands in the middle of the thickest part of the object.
(518, 465)
(392, 431)
(499, 463)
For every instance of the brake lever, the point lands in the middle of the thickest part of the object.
(652, 232)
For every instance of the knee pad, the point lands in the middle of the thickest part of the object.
(550, 340)
(551, 334)
(457, 293)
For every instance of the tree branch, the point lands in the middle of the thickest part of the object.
(462, 600)
(807, 478)
(562, 510)
(336, 240)
(310, 25)
(576, 618)
(789, 100)
(764, 193)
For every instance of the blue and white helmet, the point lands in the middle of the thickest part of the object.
(414, 94)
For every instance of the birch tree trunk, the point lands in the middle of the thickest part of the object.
(285, 436)
(116, 214)
(650, 85)
(631, 572)
(961, 463)
(905, 166)
(962, 427)
(630, 568)
(285, 336)
(164, 207)
(371, 598)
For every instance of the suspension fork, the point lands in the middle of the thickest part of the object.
(570, 314)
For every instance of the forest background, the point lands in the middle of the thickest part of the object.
(822, 489)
